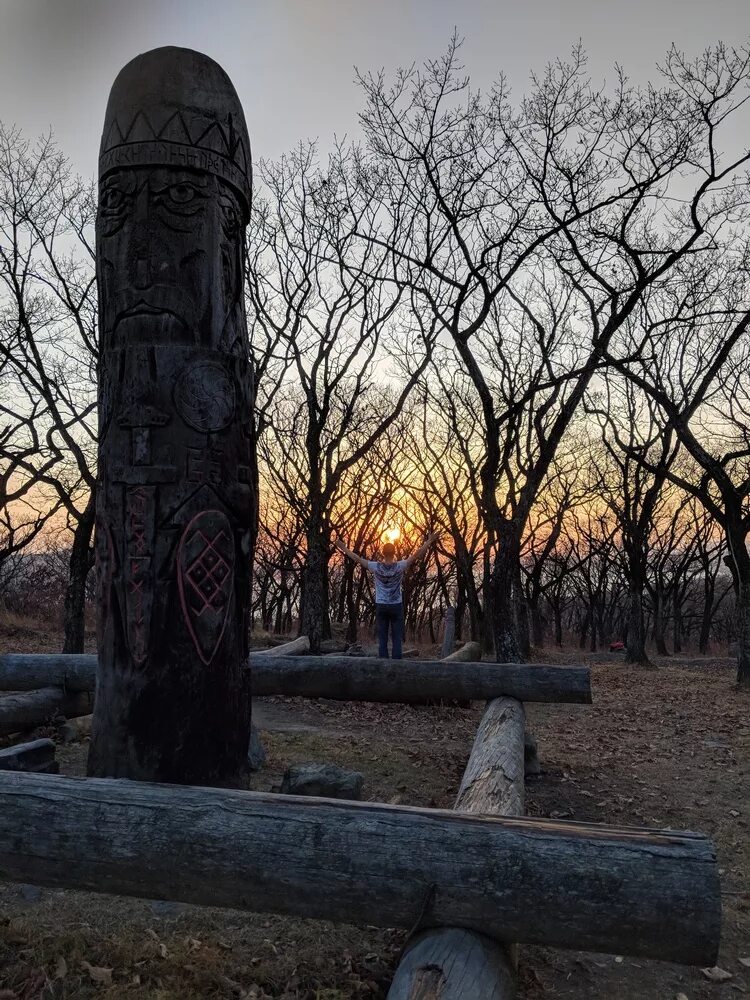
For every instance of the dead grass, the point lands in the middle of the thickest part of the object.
(664, 747)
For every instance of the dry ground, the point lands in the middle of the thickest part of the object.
(665, 747)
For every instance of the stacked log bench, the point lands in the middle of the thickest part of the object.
(471, 880)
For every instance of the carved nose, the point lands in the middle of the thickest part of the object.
(142, 276)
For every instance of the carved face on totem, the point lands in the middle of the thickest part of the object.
(174, 197)
(170, 258)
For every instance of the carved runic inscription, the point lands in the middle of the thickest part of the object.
(139, 513)
(176, 459)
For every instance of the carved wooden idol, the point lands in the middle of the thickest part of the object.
(175, 497)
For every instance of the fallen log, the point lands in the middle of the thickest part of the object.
(22, 712)
(459, 964)
(568, 885)
(296, 647)
(493, 779)
(351, 678)
(30, 671)
(470, 652)
(37, 756)
(417, 681)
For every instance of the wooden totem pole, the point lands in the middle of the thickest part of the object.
(175, 504)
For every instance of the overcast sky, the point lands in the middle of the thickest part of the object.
(292, 61)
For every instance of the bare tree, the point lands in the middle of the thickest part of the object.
(49, 342)
(316, 285)
(558, 211)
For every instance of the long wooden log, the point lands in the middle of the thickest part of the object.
(459, 964)
(353, 678)
(21, 712)
(470, 652)
(493, 779)
(568, 885)
(417, 681)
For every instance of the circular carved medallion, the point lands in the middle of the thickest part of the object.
(205, 396)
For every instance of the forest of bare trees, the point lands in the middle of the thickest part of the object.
(519, 321)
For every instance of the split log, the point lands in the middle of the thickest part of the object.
(562, 884)
(296, 647)
(345, 678)
(470, 652)
(22, 712)
(460, 964)
(37, 756)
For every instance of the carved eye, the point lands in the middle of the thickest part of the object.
(112, 199)
(182, 194)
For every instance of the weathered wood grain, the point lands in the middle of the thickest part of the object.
(568, 885)
(449, 963)
(24, 711)
(352, 678)
(493, 779)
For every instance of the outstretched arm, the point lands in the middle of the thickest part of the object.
(423, 547)
(348, 552)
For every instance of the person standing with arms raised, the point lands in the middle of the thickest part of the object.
(389, 606)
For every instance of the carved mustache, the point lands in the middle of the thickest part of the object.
(154, 299)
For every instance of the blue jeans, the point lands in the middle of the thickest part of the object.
(389, 616)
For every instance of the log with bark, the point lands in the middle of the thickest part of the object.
(29, 709)
(459, 964)
(38, 756)
(417, 681)
(470, 652)
(344, 678)
(568, 885)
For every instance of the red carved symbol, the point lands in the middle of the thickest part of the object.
(205, 577)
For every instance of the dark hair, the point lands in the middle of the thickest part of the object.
(389, 549)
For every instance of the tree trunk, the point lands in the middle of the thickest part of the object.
(636, 631)
(659, 622)
(79, 566)
(502, 582)
(743, 634)
(315, 619)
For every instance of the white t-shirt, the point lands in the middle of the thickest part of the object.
(388, 577)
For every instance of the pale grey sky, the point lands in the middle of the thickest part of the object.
(292, 61)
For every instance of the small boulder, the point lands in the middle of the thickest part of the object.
(325, 780)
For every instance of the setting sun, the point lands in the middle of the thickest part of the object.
(392, 535)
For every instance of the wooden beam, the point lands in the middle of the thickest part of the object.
(22, 712)
(345, 678)
(460, 964)
(568, 885)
